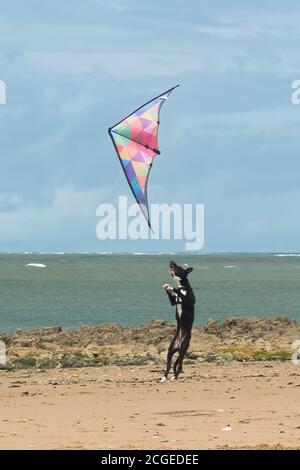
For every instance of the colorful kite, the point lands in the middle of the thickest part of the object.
(135, 141)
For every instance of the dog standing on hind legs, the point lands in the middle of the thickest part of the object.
(183, 297)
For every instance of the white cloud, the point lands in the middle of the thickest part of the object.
(10, 201)
(115, 63)
(282, 120)
(67, 212)
(225, 32)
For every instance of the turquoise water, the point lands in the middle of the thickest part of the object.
(76, 289)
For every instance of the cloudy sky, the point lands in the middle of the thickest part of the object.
(229, 135)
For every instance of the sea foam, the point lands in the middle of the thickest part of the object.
(36, 265)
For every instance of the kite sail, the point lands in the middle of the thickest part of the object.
(136, 144)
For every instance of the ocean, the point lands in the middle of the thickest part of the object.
(79, 289)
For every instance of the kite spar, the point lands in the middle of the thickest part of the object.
(135, 139)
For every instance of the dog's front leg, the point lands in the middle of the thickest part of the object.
(171, 294)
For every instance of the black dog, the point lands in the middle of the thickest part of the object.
(183, 297)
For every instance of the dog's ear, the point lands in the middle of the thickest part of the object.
(189, 270)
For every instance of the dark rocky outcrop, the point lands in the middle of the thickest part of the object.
(235, 338)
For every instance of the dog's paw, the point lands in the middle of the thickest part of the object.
(163, 379)
(173, 379)
(167, 287)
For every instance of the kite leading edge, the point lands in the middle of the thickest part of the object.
(136, 144)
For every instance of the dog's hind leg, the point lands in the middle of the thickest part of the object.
(173, 348)
(184, 346)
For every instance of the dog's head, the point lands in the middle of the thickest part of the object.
(178, 273)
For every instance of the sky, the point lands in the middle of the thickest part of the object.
(229, 135)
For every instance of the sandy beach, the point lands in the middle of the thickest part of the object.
(127, 408)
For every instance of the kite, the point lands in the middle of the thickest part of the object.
(136, 144)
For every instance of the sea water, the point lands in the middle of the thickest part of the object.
(76, 289)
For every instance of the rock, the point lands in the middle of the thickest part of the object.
(47, 346)
(211, 357)
(190, 361)
(6, 338)
(244, 339)
(48, 338)
(7, 367)
(212, 327)
(50, 330)
(228, 357)
(48, 363)
(201, 359)
(194, 354)
(284, 319)
(163, 355)
(241, 356)
(25, 362)
(23, 343)
(230, 322)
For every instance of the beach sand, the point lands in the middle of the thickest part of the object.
(127, 408)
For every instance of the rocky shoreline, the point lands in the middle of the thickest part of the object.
(235, 339)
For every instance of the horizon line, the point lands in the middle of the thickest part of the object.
(92, 252)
